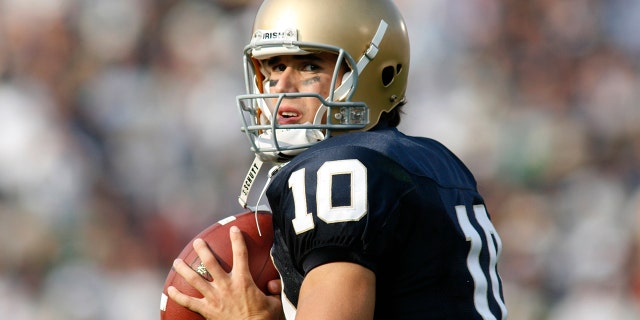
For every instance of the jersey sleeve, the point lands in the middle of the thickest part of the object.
(337, 205)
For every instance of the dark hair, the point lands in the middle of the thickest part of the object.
(392, 118)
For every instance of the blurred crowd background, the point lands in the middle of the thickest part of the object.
(119, 141)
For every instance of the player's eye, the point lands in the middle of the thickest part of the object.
(278, 68)
(311, 67)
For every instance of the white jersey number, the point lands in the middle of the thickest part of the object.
(494, 245)
(325, 209)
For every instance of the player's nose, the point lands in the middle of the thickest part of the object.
(286, 81)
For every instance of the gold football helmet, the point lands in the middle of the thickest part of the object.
(368, 36)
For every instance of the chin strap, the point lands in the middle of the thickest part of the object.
(272, 171)
(367, 57)
(347, 80)
(252, 174)
(247, 185)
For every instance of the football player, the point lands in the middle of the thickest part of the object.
(369, 223)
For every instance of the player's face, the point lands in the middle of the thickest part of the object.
(310, 73)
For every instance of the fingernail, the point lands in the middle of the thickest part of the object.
(235, 229)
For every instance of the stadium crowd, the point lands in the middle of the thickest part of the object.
(119, 140)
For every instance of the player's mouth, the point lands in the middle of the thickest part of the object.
(288, 117)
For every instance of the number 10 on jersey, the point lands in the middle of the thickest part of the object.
(325, 209)
(476, 269)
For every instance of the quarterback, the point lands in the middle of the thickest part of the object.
(369, 223)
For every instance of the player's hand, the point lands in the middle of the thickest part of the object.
(231, 295)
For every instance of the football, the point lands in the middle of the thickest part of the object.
(258, 243)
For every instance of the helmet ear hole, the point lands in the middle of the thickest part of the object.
(388, 74)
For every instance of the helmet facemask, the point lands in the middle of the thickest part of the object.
(274, 142)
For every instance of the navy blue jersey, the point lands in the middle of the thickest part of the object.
(406, 208)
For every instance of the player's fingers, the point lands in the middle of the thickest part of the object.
(240, 252)
(192, 277)
(182, 299)
(274, 286)
(209, 260)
